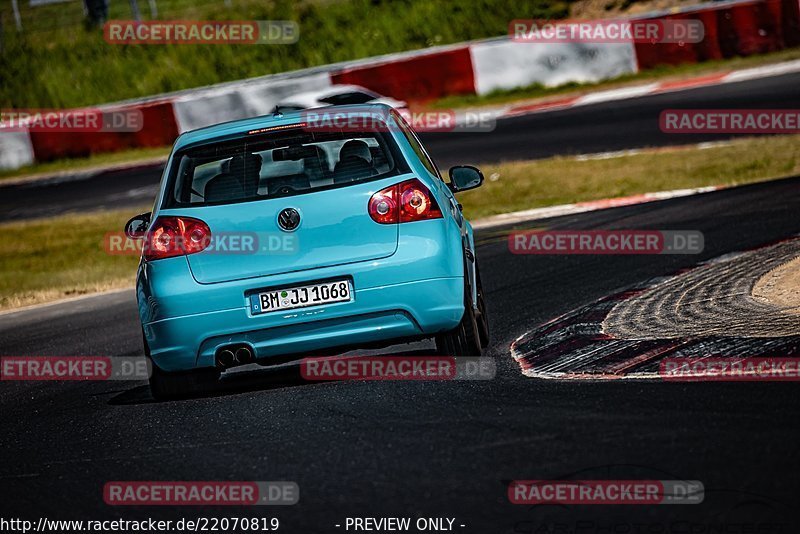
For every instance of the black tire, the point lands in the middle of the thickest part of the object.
(164, 385)
(481, 316)
(464, 339)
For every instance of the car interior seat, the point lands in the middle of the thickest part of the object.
(239, 179)
(355, 162)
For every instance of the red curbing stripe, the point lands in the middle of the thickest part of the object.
(700, 81)
(615, 202)
(711, 79)
(633, 199)
(505, 219)
(528, 108)
(622, 368)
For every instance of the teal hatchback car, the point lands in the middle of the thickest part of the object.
(273, 238)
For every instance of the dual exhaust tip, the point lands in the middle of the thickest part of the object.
(233, 355)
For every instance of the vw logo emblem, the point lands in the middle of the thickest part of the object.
(289, 219)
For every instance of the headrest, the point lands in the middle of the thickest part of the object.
(356, 148)
(245, 164)
(295, 153)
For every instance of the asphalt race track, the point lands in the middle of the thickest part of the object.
(437, 449)
(600, 127)
(431, 449)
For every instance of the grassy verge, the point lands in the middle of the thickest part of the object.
(663, 72)
(523, 185)
(98, 161)
(63, 256)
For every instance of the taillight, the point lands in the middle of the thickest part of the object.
(404, 202)
(176, 236)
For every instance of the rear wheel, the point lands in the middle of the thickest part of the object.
(481, 316)
(464, 339)
(165, 385)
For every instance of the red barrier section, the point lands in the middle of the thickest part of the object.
(735, 30)
(791, 22)
(756, 31)
(708, 49)
(651, 54)
(159, 128)
(418, 78)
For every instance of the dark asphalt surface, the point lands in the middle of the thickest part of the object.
(600, 127)
(438, 449)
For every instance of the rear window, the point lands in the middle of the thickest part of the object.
(279, 164)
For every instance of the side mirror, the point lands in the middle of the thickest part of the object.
(136, 228)
(463, 177)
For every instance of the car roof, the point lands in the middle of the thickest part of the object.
(242, 126)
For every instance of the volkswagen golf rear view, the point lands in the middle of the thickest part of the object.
(271, 240)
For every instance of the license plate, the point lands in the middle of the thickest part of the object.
(301, 296)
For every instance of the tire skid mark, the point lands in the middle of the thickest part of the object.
(672, 316)
(714, 299)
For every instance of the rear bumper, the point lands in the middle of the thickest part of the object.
(417, 308)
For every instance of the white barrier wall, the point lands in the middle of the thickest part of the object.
(15, 150)
(228, 103)
(507, 64)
